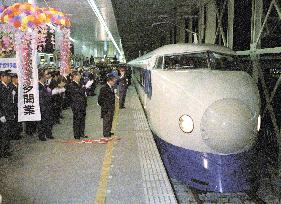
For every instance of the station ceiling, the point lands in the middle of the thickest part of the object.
(138, 23)
(144, 25)
(85, 25)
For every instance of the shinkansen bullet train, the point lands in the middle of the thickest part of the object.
(205, 112)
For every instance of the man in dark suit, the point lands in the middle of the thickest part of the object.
(92, 76)
(106, 100)
(45, 125)
(6, 114)
(78, 104)
(122, 86)
(66, 98)
(55, 98)
(17, 127)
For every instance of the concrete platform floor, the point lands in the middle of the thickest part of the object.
(54, 172)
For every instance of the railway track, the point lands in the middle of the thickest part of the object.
(187, 195)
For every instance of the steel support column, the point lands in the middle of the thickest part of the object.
(257, 12)
(190, 27)
(211, 22)
(257, 30)
(230, 23)
(180, 29)
(201, 23)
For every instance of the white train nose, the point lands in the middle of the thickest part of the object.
(228, 126)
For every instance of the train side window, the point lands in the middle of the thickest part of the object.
(137, 73)
(159, 63)
(141, 77)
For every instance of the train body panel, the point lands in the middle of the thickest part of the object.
(210, 172)
(220, 106)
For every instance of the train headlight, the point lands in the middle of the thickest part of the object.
(186, 124)
(259, 123)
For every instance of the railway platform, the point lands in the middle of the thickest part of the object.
(126, 169)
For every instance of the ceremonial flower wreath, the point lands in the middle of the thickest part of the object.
(23, 24)
(7, 40)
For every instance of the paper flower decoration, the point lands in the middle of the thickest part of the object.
(56, 17)
(6, 41)
(2, 8)
(23, 16)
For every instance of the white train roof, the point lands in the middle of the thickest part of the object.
(182, 48)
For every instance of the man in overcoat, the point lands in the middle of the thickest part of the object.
(106, 100)
(78, 104)
(6, 114)
(45, 125)
(17, 127)
(122, 87)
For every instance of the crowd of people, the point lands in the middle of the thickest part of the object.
(58, 93)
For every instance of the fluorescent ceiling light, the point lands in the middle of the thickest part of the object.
(103, 23)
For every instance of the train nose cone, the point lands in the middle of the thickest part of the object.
(228, 126)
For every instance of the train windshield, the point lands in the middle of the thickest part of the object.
(184, 61)
(202, 60)
(225, 62)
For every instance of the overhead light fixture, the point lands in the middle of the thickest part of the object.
(103, 23)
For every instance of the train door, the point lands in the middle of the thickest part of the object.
(147, 83)
(146, 76)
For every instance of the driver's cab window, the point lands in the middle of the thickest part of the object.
(160, 63)
(186, 61)
(179, 62)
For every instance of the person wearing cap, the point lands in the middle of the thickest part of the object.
(106, 100)
(17, 128)
(122, 87)
(6, 114)
(114, 72)
(78, 104)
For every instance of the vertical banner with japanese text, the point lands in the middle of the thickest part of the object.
(28, 95)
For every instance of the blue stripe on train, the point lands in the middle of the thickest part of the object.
(210, 172)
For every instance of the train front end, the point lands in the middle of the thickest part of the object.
(211, 145)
